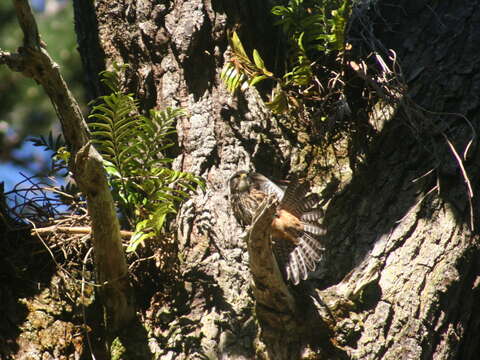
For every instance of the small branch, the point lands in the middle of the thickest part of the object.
(76, 230)
(275, 305)
(266, 274)
(28, 24)
(32, 60)
(13, 61)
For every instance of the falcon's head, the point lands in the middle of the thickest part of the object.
(247, 191)
(243, 181)
(240, 182)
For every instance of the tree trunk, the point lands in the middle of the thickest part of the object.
(406, 227)
(400, 277)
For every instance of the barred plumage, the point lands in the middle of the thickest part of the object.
(295, 228)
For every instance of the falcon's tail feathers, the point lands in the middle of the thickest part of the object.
(313, 245)
(293, 272)
(308, 251)
(302, 266)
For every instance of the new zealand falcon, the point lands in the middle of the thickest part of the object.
(295, 227)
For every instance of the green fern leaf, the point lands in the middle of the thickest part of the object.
(133, 147)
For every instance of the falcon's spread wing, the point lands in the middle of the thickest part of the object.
(296, 244)
(295, 227)
(267, 186)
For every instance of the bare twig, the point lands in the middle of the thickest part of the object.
(57, 264)
(465, 178)
(73, 230)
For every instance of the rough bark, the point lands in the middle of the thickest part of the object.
(402, 227)
(33, 61)
(400, 278)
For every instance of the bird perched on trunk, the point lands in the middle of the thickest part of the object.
(295, 228)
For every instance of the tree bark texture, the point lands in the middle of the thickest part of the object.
(402, 227)
(400, 279)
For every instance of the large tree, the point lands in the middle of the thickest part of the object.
(400, 278)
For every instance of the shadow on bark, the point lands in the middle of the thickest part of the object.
(25, 270)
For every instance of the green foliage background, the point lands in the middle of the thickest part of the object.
(24, 107)
(313, 31)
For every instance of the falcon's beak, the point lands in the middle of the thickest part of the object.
(243, 183)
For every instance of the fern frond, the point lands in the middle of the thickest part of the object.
(114, 121)
(133, 147)
(111, 78)
(155, 133)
